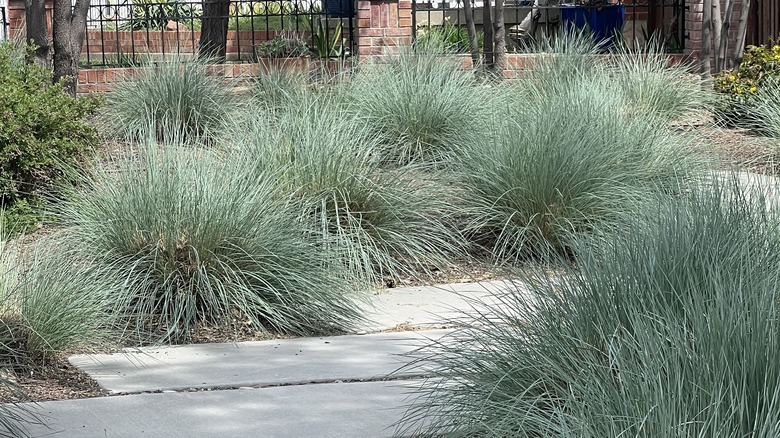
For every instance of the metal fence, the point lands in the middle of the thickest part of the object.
(633, 22)
(4, 23)
(138, 32)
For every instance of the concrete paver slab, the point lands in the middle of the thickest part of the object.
(339, 410)
(260, 363)
(434, 305)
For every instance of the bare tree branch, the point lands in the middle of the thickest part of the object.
(739, 47)
(705, 54)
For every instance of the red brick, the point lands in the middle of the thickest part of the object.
(400, 31)
(375, 15)
(371, 32)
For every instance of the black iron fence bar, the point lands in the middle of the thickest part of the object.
(4, 24)
(637, 22)
(141, 32)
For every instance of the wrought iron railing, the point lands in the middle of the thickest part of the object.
(134, 33)
(4, 24)
(635, 23)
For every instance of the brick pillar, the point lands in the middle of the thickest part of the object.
(693, 25)
(16, 17)
(693, 22)
(382, 26)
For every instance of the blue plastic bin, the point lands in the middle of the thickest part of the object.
(603, 21)
(340, 8)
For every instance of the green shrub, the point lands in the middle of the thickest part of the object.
(421, 104)
(454, 39)
(286, 45)
(669, 328)
(738, 88)
(177, 99)
(191, 239)
(42, 131)
(156, 14)
(23, 216)
(568, 160)
(382, 222)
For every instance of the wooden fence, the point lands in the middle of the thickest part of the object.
(764, 22)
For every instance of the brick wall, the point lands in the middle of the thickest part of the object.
(99, 80)
(383, 25)
(693, 25)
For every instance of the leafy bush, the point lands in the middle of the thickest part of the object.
(286, 45)
(270, 15)
(453, 38)
(382, 222)
(171, 100)
(156, 14)
(421, 105)
(738, 88)
(42, 130)
(669, 328)
(568, 161)
(189, 238)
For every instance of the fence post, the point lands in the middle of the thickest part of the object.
(382, 26)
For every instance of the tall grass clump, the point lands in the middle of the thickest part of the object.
(382, 222)
(421, 103)
(189, 239)
(766, 109)
(49, 305)
(277, 86)
(15, 352)
(656, 85)
(170, 100)
(564, 163)
(669, 328)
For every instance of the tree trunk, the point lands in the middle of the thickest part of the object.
(739, 47)
(487, 29)
(723, 43)
(38, 31)
(705, 56)
(468, 11)
(68, 27)
(214, 27)
(717, 30)
(499, 38)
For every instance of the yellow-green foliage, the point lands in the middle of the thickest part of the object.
(740, 88)
(758, 65)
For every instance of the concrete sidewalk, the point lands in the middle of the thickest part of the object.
(256, 364)
(359, 410)
(343, 386)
